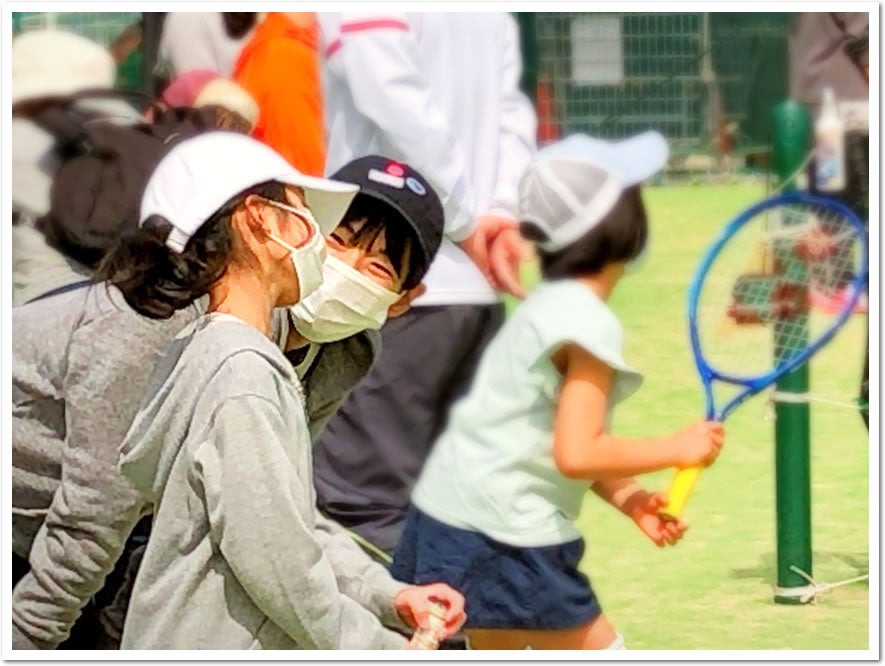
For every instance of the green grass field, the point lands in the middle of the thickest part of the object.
(714, 589)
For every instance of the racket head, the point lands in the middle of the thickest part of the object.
(754, 287)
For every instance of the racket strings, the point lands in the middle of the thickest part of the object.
(819, 241)
(777, 285)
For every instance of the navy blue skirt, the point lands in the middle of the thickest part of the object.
(505, 587)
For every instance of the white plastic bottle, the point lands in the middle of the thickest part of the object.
(829, 146)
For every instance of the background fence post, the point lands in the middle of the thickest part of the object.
(528, 41)
(151, 28)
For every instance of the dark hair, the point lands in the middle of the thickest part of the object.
(620, 236)
(400, 236)
(227, 120)
(154, 280)
(185, 119)
(237, 24)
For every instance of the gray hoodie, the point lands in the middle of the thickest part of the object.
(81, 365)
(236, 559)
(37, 268)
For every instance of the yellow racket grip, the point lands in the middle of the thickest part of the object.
(680, 490)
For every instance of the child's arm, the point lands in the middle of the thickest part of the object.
(582, 449)
(261, 513)
(623, 494)
(642, 507)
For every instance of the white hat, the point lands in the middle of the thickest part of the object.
(199, 175)
(54, 63)
(573, 184)
(230, 95)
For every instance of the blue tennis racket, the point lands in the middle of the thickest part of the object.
(772, 290)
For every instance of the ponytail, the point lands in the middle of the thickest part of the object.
(154, 280)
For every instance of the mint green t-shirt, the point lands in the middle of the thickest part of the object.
(492, 469)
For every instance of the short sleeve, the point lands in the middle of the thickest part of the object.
(568, 312)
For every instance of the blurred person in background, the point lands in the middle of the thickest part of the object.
(73, 132)
(831, 50)
(279, 67)
(440, 92)
(47, 66)
(201, 88)
(202, 40)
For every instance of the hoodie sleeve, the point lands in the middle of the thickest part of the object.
(338, 368)
(359, 576)
(377, 56)
(95, 507)
(261, 509)
(517, 128)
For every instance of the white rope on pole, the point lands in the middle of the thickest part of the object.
(782, 396)
(819, 588)
(802, 398)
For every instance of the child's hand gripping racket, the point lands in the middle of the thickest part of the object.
(802, 244)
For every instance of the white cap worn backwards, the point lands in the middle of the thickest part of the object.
(574, 183)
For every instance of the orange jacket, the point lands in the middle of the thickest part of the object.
(280, 68)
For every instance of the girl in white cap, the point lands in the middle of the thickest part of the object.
(72, 507)
(492, 514)
(220, 446)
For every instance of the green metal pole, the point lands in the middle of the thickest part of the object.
(528, 42)
(792, 138)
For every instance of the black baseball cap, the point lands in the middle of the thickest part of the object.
(406, 191)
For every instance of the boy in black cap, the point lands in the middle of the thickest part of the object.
(404, 190)
(395, 226)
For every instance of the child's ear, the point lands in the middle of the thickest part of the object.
(264, 219)
(260, 220)
(405, 302)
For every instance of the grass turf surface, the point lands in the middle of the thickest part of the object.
(714, 589)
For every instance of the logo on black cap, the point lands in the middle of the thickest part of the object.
(386, 178)
(407, 193)
(416, 186)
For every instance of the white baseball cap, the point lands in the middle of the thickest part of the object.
(573, 184)
(55, 63)
(201, 174)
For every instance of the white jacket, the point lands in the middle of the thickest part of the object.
(197, 40)
(440, 92)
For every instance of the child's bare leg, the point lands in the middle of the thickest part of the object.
(597, 634)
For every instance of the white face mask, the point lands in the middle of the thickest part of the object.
(307, 259)
(346, 303)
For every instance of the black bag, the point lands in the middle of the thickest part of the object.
(96, 192)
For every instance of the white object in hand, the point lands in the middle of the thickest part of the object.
(429, 638)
